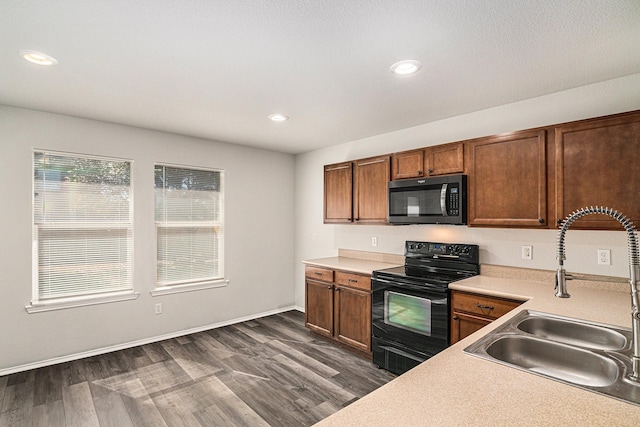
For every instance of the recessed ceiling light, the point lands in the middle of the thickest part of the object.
(404, 68)
(278, 117)
(37, 57)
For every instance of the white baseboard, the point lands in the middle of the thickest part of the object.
(144, 341)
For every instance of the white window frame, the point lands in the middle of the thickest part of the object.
(204, 283)
(81, 299)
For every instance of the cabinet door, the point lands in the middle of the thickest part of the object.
(353, 317)
(408, 164)
(319, 307)
(338, 193)
(463, 325)
(370, 189)
(507, 180)
(598, 164)
(444, 159)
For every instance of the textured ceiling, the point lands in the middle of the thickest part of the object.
(217, 68)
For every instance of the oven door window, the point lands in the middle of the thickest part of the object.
(407, 312)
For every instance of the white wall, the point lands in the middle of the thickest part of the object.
(259, 215)
(498, 246)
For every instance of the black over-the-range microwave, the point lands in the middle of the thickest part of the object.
(435, 200)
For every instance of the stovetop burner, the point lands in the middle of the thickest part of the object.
(436, 263)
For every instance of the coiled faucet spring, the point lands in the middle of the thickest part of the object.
(634, 273)
(632, 238)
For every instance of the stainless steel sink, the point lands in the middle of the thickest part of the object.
(573, 333)
(564, 362)
(588, 355)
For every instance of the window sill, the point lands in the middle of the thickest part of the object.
(177, 289)
(65, 303)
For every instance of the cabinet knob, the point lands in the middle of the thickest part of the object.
(429, 170)
(419, 172)
(455, 317)
(541, 220)
(329, 286)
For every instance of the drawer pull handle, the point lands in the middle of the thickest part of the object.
(484, 307)
(317, 273)
(353, 280)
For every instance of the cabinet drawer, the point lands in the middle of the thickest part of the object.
(319, 273)
(482, 305)
(353, 280)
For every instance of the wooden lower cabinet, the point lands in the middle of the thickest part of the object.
(319, 307)
(471, 312)
(338, 306)
(352, 318)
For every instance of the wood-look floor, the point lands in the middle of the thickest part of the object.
(268, 371)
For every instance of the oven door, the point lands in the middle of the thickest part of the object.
(410, 313)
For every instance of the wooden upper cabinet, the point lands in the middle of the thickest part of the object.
(407, 164)
(370, 189)
(444, 159)
(338, 193)
(438, 160)
(597, 163)
(507, 180)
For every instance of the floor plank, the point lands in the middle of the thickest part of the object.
(110, 408)
(50, 414)
(267, 371)
(78, 406)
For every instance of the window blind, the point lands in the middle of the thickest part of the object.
(82, 225)
(189, 225)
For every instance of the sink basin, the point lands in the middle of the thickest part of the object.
(564, 362)
(573, 333)
(583, 354)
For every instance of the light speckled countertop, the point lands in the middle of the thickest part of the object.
(454, 388)
(356, 265)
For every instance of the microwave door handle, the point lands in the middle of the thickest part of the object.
(443, 199)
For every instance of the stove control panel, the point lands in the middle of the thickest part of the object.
(442, 250)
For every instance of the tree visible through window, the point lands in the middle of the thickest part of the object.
(189, 225)
(82, 211)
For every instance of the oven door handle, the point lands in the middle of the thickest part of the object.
(424, 289)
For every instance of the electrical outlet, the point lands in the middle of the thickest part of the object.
(604, 256)
(527, 252)
(314, 237)
(158, 308)
(374, 241)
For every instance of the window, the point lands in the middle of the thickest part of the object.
(83, 236)
(189, 225)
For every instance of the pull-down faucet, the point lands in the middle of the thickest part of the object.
(634, 274)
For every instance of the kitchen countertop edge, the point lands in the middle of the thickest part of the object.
(455, 388)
